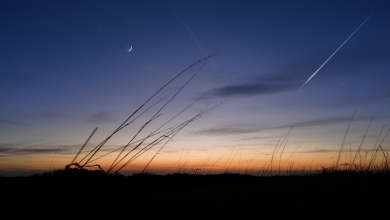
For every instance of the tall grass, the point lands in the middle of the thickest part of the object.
(124, 155)
(161, 136)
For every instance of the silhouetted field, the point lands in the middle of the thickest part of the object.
(94, 194)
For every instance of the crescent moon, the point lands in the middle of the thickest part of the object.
(131, 47)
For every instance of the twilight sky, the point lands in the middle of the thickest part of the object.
(65, 69)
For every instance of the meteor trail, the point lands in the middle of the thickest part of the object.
(334, 53)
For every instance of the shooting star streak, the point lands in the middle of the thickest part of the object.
(334, 53)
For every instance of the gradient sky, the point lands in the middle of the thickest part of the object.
(65, 69)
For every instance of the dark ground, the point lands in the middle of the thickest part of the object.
(198, 197)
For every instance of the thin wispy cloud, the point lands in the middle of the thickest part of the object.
(100, 118)
(255, 138)
(318, 150)
(252, 128)
(11, 122)
(15, 150)
(252, 89)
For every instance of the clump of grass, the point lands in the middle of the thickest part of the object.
(124, 158)
(76, 173)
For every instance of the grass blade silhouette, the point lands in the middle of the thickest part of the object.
(112, 165)
(343, 142)
(86, 142)
(124, 123)
(53, 157)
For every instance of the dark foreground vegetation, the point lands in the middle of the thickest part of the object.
(76, 194)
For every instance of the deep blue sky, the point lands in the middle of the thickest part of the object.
(65, 69)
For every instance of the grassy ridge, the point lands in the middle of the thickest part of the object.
(329, 195)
